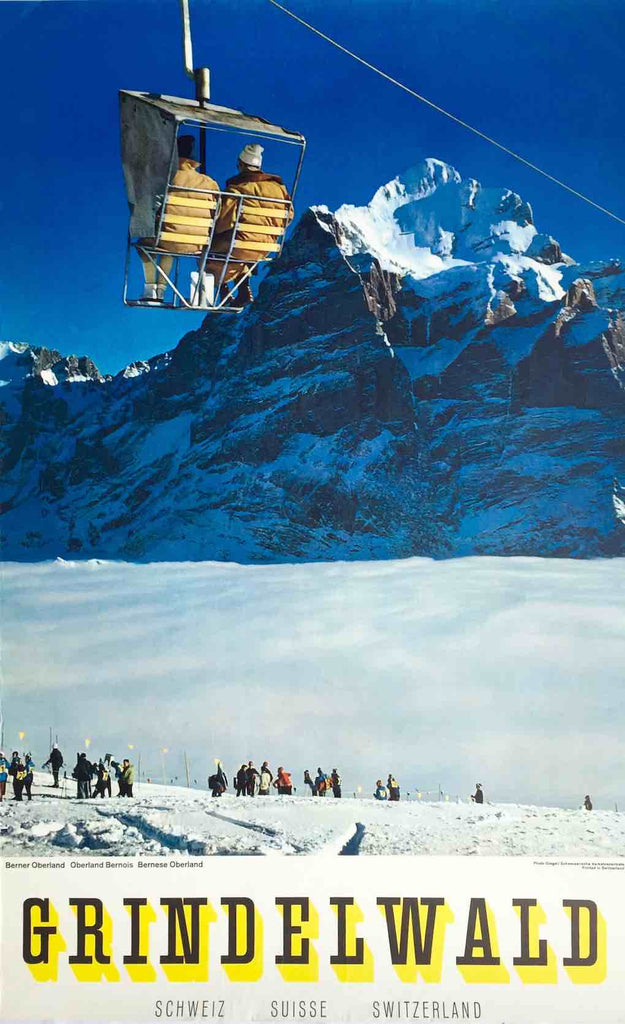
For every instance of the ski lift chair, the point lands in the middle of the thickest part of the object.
(150, 124)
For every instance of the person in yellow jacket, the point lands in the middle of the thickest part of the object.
(251, 180)
(393, 788)
(187, 176)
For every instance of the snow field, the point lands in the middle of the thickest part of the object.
(177, 822)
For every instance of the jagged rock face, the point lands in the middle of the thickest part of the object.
(545, 249)
(280, 434)
(19, 360)
(358, 410)
(581, 295)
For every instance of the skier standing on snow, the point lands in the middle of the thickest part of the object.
(381, 792)
(18, 770)
(92, 772)
(118, 775)
(241, 780)
(218, 782)
(4, 774)
(393, 788)
(587, 803)
(284, 783)
(335, 779)
(101, 781)
(108, 785)
(82, 774)
(128, 776)
(251, 775)
(266, 778)
(15, 760)
(478, 796)
(56, 763)
(221, 775)
(309, 782)
(29, 764)
(321, 782)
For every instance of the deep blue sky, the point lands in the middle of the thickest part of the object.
(543, 76)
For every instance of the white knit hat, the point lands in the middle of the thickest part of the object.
(252, 155)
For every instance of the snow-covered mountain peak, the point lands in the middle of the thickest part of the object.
(429, 218)
(416, 183)
(17, 360)
(20, 361)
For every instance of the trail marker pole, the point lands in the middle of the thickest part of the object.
(186, 766)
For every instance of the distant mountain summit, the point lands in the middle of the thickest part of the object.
(18, 361)
(428, 219)
(427, 374)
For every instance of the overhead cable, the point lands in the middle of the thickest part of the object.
(447, 113)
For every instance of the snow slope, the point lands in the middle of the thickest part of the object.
(175, 822)
(506, 671)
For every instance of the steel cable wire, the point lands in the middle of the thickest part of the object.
(447, 113)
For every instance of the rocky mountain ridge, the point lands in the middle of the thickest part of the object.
(426, 375)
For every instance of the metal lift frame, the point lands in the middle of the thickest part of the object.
(202, 256)
(227, 124)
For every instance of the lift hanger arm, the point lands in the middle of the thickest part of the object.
(187, 44)
(201, 76)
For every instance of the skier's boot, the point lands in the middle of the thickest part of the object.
(244, 294)
(152, 293)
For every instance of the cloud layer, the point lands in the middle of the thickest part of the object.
(505, 670)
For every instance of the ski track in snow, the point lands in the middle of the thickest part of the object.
(264, 830)
(352, 846)
(177, 822)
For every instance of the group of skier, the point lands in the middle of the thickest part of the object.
(99, 772)
(251, 781)
(93, 779)
(21, 766)
(323, 783)
(388, 792)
